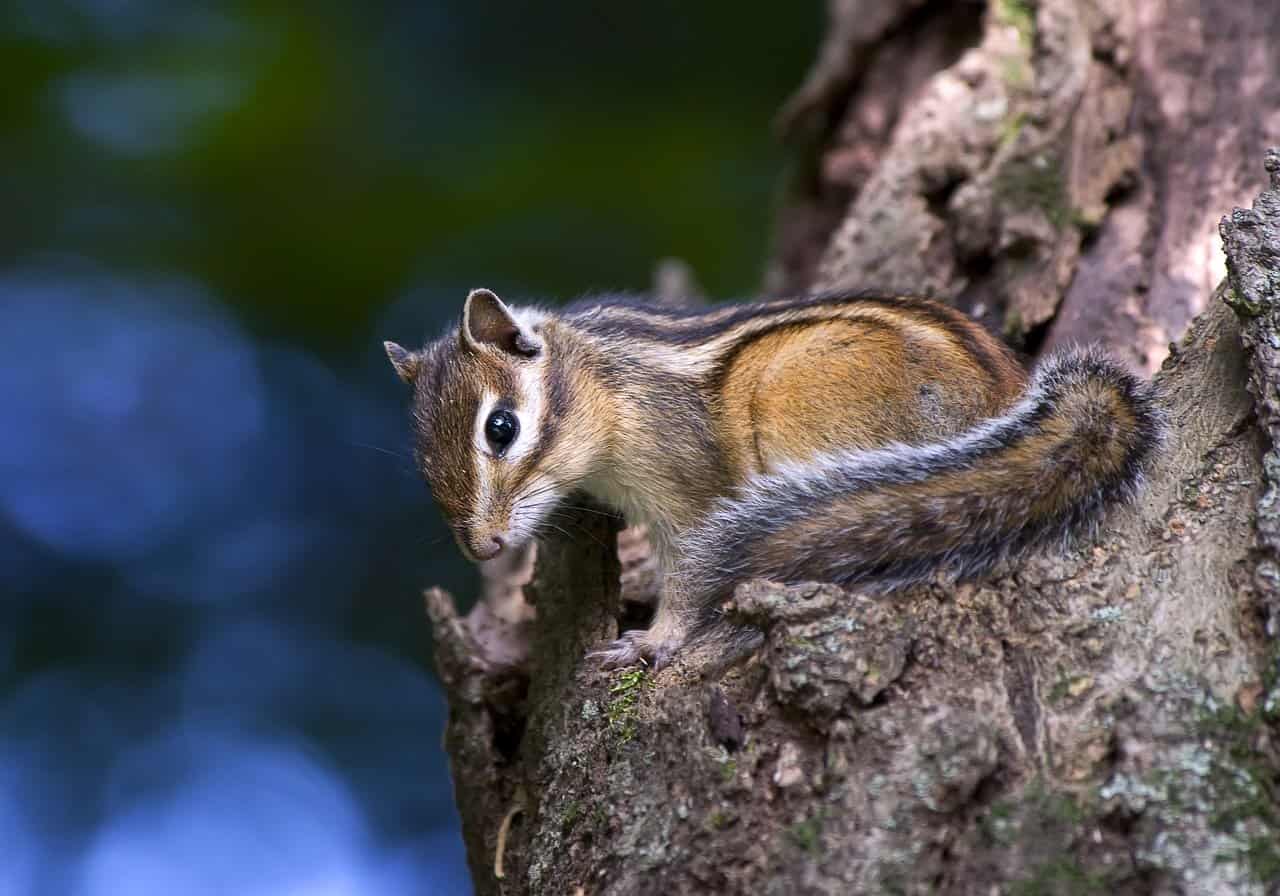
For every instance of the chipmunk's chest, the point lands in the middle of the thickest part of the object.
(638, 504)
(662, 495)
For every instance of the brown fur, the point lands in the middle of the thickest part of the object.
(849, 383)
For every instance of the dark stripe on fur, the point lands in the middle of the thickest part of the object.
(625, 317)
(556, 408)
(686, 419)
(683, 326)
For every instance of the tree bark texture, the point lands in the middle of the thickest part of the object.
(1102, 719)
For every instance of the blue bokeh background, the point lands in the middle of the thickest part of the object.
(214, 667)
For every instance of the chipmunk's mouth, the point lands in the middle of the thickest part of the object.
(479, 548)
(490, 550)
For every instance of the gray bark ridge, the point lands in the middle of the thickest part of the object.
(1058, 174)
(1097, 720)
(1252, 241)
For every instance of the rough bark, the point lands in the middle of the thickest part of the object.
(1099, 719)
(1061, 180)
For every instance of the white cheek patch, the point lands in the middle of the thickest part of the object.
(487, 403)
(538, 500)
(528, 411)
(482, 453)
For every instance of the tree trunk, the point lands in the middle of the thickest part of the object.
(1099, 720)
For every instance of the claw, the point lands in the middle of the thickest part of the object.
(626, 651)
(663, 654)
(636, 647)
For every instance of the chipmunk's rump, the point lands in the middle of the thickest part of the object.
(1078, 441)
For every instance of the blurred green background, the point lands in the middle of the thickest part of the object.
(213, 658)
(311, 162)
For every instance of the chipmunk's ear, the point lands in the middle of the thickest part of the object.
(405, 362)
(487, 321)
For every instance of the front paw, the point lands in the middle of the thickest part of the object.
(626, 651)
(637, 647)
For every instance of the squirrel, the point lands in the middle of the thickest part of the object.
(868, 441)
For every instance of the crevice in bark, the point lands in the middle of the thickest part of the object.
(1019, 685)
(877, 57)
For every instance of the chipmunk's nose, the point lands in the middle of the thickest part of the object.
(487, 548)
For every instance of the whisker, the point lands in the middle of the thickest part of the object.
(550, 525)
(585, 509)
(396, 454)
(579, 530)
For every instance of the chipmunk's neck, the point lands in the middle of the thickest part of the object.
(646, 417)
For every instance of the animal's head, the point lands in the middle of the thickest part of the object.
(488, 404)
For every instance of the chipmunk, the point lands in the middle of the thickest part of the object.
(873, 442)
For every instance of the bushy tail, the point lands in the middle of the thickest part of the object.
(1078, 441)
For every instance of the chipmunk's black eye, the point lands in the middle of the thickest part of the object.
(501, 430)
